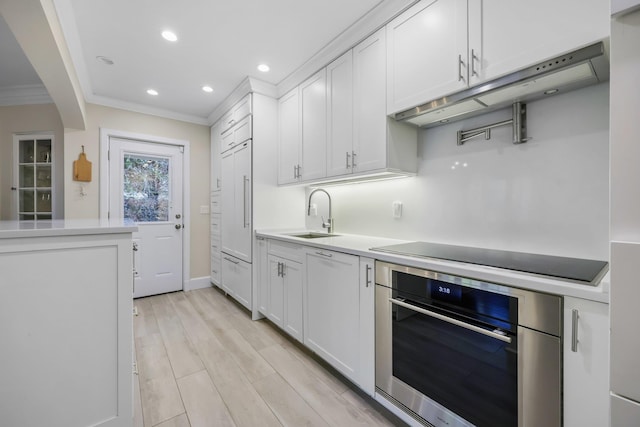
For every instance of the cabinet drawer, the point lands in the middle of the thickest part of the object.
(215, 202)
(238, 112)
(242, 131)
(238, 134)
(215, 224)
(215, 244)
(288, 251)
(242, 109)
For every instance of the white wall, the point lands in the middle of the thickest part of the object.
(549, 195)
(79, 206)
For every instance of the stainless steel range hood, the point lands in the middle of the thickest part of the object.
(583, 67)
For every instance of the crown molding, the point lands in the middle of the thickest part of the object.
(24, 95)
(144, 109)
(248, 85)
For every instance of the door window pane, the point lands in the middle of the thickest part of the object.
(146, 188)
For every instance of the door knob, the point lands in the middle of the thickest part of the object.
(178, 226)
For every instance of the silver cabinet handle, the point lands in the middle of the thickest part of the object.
(473, 63)
(353, 159)
(460, 64)
(282, 271)
(367, 277)
(452, 321)
(575, 315)
(348, 155)
(279, 268)
(231, 260)
(244, 201)
(323, 254)
(217, 182)
(295, 171)
(135, 246)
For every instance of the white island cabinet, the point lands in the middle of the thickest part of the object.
(66, 316)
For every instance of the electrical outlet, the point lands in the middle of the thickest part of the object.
(396, 209)
(314, 210)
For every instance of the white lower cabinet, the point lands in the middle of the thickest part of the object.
(236, 279)
(332, 312)
(586, 363)
(283, 302)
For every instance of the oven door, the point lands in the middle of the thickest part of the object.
(449, 372)
(452, 370)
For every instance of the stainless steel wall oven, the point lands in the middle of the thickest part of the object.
(455, 351)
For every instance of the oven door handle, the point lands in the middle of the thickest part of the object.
(451, 320)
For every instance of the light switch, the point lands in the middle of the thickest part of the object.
(204, 209)
(397, 209)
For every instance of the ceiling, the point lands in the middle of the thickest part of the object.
(220, 43)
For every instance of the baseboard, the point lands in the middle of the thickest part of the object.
(198, 283)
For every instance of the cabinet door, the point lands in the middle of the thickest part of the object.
(227, 202)
(427, 53)
(340, 115)
(242, 189)
(586, 366)
(366, 348)
(625, 318)
(216, 140)
(290, 137)
(275, 310)
(369, 112)
(292, 274)
(243, 283)
(332, 318)
(261, 264)
(506, 35)
(313, 101)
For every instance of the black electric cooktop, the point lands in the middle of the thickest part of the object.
(586, 271)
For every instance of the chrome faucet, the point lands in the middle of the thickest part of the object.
(329, 224)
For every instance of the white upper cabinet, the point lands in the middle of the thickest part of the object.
(439, 47)
(507, 35)
(303, 131)
(354, 135)
(290, 137)
(340, 150)
(372, 138)
(313, 101)
(426, 53)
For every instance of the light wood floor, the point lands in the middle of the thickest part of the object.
(203, 362)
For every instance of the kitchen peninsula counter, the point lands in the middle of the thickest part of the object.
(361, 245)
(66, 306)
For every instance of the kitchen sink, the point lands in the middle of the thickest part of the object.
(311, 235)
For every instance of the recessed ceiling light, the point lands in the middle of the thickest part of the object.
(104, 60)
(169, 35)
(263, 67)
(207, 89)
(152, 92)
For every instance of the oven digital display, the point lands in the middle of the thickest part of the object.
(448, 292)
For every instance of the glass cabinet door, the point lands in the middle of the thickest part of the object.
(33, 154)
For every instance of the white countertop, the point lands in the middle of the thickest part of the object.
(360, 245)
(73, 227)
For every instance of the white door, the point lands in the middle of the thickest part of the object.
(145, 186)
